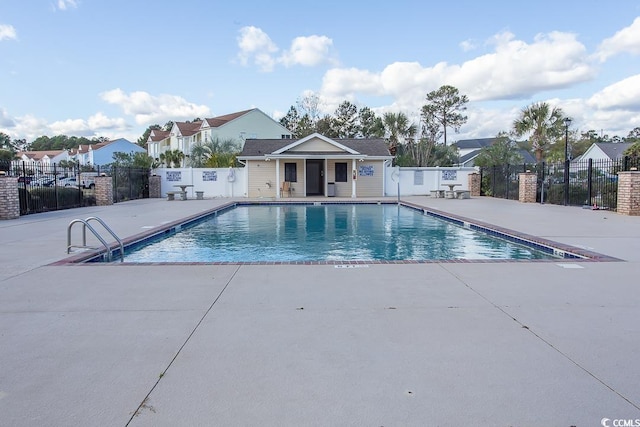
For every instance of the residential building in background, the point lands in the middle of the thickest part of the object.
(238, 127)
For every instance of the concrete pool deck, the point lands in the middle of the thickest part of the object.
(504, 343)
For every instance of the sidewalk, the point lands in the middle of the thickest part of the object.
(522, 344)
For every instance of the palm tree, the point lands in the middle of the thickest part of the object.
(542, 123)
(199, 154)
(399, 130)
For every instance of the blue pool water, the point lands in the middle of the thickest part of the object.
(332, 232)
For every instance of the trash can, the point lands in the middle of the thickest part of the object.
(331, 189)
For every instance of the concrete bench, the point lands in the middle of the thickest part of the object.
(199, 195)
(438, 194)
(463, 194)
(171, 195)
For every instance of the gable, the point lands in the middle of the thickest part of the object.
(316, 145)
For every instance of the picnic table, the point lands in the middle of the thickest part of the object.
(183, 191)
(450, 194)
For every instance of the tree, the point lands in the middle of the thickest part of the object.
(633, 151)
(398, 130)
(542, 124)
(502, 152)
(371, 126)
(171, 158)
(142, 141)
(346, 120)
(221, 153)
(634, 135)
(7, 155)
(291, 121)
(444, 107)
(199, 155)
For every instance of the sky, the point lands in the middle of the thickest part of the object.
(111, 68)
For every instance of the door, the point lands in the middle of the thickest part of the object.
(315, 178)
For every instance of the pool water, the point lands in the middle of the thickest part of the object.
(331, 232)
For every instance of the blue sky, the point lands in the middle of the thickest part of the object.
(112, 68)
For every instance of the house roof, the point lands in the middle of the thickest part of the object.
(466, 144)
(215, 122)
(613, 150)
(368, 147)
(39, 155)
(158, 135)
(188, 129)
(526, 156)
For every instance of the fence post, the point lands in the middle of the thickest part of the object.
(528, 187)
(154, 187)
(474, 184)
(104, 190)
(628, 193)
(9, 197)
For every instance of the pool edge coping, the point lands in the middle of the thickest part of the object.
(580, 255)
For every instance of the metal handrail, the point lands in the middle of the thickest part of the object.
(85, 225)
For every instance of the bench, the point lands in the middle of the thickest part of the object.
(171, 195)
(438, 194)
(199, 195)
(463, 194)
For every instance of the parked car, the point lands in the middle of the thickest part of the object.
(25, 179)
(45, 181)
(70, 181)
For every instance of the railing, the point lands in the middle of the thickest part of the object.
(85, 225)
(587, 183)
(44, 187)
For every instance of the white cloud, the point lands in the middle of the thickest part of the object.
(257, 47)
(7, 32)
(148, 109)
(66, 4)
(622, 95)
(625, 40)
(467, 45)
(307, 51)
(514, 70)
(255, 44)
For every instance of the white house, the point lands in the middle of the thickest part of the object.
(605, 151)
(44, 157)
(238, 127)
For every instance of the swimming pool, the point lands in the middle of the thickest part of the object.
(329, 233)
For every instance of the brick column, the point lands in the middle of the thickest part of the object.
(9, 198)
(104, 190)
(528, 187)
(629, 193)
(474, 184)
(154, 187)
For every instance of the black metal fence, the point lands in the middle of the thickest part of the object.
(577, 183)
(46, 187)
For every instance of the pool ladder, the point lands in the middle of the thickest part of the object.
(85, 225)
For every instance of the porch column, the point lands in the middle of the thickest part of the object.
(354, 177)
(277, 184)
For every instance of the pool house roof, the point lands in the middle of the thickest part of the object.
(316, 146)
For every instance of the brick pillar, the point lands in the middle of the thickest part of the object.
(528, 187)
(474, 184)
(154, 187)
(104, 190)
(629, 193)
(9, 198)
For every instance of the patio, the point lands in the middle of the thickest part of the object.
(500, 343)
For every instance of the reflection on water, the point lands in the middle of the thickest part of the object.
(339, 232)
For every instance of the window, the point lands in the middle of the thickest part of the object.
(290, 173)
(341, 172)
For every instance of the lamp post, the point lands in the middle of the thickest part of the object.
(567, 123)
